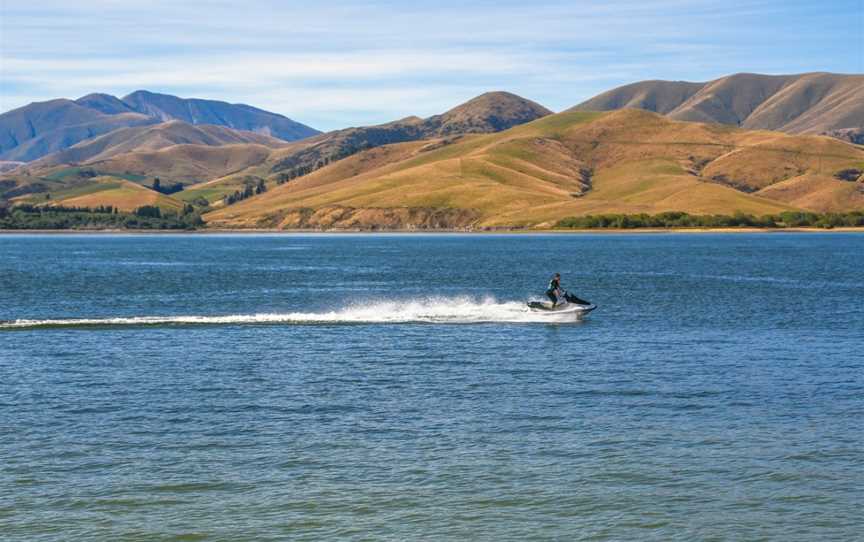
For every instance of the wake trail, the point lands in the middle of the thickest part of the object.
(459, 310)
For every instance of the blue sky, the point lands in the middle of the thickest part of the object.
(332, 64)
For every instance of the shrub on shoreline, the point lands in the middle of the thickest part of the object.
(788, 219)
(30, 217)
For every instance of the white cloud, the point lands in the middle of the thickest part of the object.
(357, 58)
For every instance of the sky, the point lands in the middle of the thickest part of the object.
(332, 64)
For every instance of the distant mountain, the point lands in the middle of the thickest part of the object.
(6, 165)
(238, 116)
(105, 103)
(42, 128)
(152, 138)
(487, 113)
(812, 103)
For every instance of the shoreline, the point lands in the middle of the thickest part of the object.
(502, 231)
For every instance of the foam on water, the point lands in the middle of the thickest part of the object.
(456, 310)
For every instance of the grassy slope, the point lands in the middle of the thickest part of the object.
(119, 193)
(72, 172)
(817, 193)
(213, 161)
(152, 138)
(187, 163)
(280, 196)
(809, 103)
(212, 191)
(531, 174)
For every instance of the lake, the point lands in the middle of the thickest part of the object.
(392, 387)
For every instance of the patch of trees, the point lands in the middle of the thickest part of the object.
(316, 163)
(166, 189)
(148, 211)
(849, 175)
(293, 173)
(309, 160)
(30, 188)
(788, 219)
(252, 187)
(103, 209)
(31, 217)
(87, 173)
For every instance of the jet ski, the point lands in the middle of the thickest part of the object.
(571, 305)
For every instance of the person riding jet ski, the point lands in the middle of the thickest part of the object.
(562, 300)
(553, 292)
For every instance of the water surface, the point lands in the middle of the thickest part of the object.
(390, 387)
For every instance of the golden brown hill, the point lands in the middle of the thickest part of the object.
(92, 192)
(487, 113)
(810, 103)
(151, 138)
(573, 163)
(149, 152)
(118, 193)
(189, 164)
(817, 193)
(657, 96)
(177, 152)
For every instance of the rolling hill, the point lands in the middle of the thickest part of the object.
(812, 103)
(187, 164)
(495, 161)
(215, 161)
(487, 113)
(101, 190)
(152, 138)
(573, 163)
(112, 191)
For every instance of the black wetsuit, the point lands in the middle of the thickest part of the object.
(552, 291)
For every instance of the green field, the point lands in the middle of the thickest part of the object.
(76, 171)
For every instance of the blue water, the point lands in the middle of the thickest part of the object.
(391, 387)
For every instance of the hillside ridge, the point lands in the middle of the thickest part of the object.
(809, 103)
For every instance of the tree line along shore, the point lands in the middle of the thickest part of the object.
(58, 217)
(787, 219)
(31, 217)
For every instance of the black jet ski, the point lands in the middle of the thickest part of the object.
(571, 305)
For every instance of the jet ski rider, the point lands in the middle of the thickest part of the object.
(553, 292)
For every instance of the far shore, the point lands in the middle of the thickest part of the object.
(502, 231)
